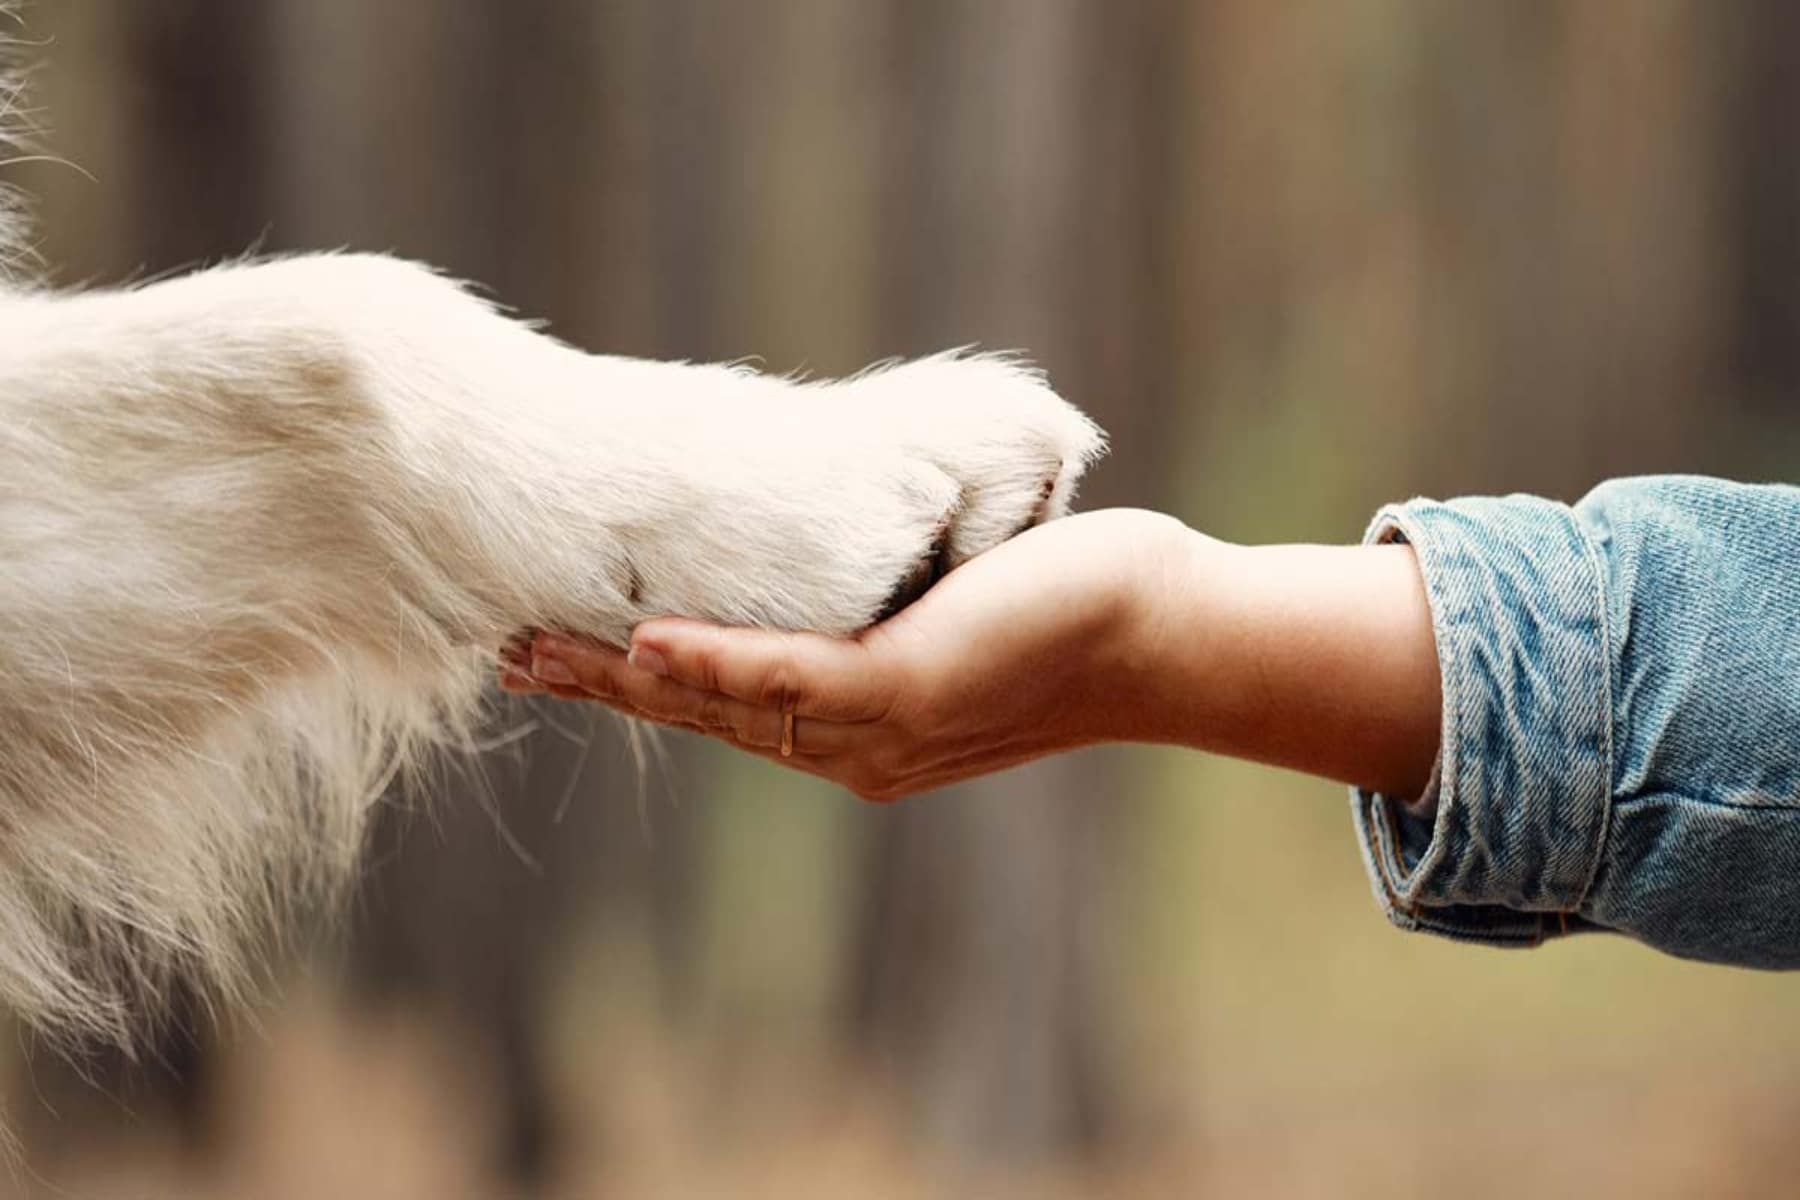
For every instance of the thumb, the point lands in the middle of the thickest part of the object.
(805, 673)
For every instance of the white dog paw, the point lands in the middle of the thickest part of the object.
(990, 424)
(828, 506)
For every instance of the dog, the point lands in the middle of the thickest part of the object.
(266, 530)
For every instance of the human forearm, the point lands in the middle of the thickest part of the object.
(1319, 658)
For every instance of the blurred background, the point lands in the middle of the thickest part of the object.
(1300, 259)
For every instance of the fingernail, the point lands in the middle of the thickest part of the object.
(552, 670)
(646, 659)
(519, 684)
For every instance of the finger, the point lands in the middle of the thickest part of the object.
(804, 673)
(605, 674)
(805, 757)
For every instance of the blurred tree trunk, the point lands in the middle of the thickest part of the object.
(1767, 194)
(1025, 185)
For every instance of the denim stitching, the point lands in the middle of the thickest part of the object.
(1591, 554)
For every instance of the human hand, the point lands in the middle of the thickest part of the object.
(1039, 645)
(1116, 625)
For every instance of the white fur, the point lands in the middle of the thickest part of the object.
(264, 528)
(14, 126)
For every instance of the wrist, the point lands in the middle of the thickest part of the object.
(1318, 658)
(1161, 620)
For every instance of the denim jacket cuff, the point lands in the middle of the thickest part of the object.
(1509, 850)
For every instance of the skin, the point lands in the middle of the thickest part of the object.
(1113, 626)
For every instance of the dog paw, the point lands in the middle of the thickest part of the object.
(1011, 447)
(828, 506)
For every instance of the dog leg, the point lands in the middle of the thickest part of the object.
(266, 527)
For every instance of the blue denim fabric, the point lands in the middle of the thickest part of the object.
(1621, 736)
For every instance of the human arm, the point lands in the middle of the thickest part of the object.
(1111, 626)
(1618, 743)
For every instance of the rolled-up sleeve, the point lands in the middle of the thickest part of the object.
(1620, 746)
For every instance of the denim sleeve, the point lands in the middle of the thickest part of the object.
(1621, 722)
